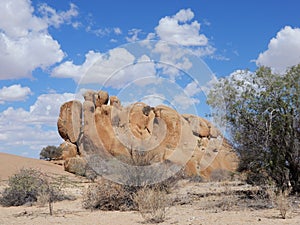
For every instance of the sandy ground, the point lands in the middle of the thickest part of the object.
(197, 203)
(10, 164)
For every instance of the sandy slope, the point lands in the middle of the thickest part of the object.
(193, 210)
(10, 164)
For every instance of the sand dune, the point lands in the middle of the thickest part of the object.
(11, 164)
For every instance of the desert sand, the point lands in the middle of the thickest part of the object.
(196, 203)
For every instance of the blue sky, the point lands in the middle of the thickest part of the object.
(155, 51)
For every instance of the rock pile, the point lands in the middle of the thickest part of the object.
(140, 135)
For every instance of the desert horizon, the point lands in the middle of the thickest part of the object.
(194, 202)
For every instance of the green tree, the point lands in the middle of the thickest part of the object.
(51, 153)
(262, 112)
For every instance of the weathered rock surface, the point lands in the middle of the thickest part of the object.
(69, 121)
(76, 165)
(141, 135)
(69, 150)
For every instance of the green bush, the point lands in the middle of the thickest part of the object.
(26, 187)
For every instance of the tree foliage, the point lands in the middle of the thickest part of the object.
(51, 153)
(262, 111)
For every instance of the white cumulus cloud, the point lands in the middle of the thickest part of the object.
(179, 39)
(115, 69)
(25, 43)
(32, 129)
(283, 50)
(14, 93)
(181, 29)
(70, 70)
(192, 89)
(187, 98)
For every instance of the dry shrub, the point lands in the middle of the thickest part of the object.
(279, 199)
(107, 195)
(152, 203)
(273, 197)
(220, 175)
(29, 186)
(195, 179)
(282, 203)
(260, 197)
(228, 198)
(23, 188)
(26, 186)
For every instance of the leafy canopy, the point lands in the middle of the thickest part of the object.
(262, 112)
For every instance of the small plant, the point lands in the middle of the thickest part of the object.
(29, 186)
(228, 199)
(274, 197)
(220, 175)
(283, 203)
(279, 199)
(152, 203)
(107, 195)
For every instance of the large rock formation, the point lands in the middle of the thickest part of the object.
(140, 135)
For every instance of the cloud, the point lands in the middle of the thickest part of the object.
(133, 35)
(120, 66)
(32, 129)
(46, 108)
(14, 93)
(192, 89)
(97, 66)
(115, 69)
(283, 50)
(102, 32)
(20, 56)
(187, 98)
(17, 19)
(54, 18)
(154, 100)
(173, 58)
(117, 30)
(181, 29)
(25, 43)
(69, 70)
(184, 102)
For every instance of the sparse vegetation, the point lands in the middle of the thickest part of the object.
(282, 202)
(29, 186)
(137, 191)
(279, 199)
(107, 195)
(220, 175)
(152, 203)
